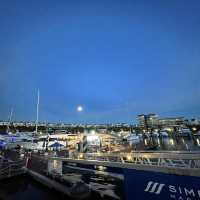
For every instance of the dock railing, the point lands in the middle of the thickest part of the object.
(11, 168)
(182, 163)
(190, 160)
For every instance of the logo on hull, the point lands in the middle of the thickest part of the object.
(155, 188)
(174, 191)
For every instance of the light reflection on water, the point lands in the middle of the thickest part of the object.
(106, 186)
(24, 187)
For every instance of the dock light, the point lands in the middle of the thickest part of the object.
(129, 157)
(101, 168)
(171, 141)
(194, 128)
(80, 156)
(198, 142)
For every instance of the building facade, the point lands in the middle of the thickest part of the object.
(148, 121)
(152, 121)
(171, 121)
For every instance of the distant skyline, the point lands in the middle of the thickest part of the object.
(114, 59)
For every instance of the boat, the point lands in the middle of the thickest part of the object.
(184, 132)
(23, 140)
(155, 134)
(46, 141)
(146, 135)
(164, 134)
(140, 135)
(144, 175)
(133, 138)
(197, 133)
(2, 142)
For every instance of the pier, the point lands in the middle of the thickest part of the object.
(10, 168)
(133, 171)
(180, 163)
(146, 174)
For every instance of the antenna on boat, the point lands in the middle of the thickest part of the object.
(38, 102)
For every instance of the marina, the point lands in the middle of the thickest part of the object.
(113, 175)
(107, 141)
(99, 100)
(91, 163)
(144, 161)
(104, 164)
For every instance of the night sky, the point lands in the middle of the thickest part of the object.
(116, 59)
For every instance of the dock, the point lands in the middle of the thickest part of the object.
(144, 174)
(9, 168)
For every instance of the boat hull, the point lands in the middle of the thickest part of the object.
(149, 185)
(145, 182)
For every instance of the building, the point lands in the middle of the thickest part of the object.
(148, 121)
(152, 121)
(171, 121)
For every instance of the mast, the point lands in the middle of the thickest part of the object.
(10, 119)
(38, 102)
(11, 114)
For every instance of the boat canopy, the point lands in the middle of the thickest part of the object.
(56, 145)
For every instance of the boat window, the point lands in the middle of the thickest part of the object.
(41, 139)
(52, 139)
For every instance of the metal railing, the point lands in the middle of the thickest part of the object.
(186, 160)
(180, 160)
(11, 168)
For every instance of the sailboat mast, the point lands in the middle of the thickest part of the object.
(10, 116)
(10, 119)
(38, 102)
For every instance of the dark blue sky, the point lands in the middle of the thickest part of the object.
(115, 58)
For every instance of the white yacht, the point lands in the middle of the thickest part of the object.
(133, 138)
(17, 139)
(164, 134)
(184, 132)
(155, 134)
(45, 141)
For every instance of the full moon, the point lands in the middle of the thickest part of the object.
(79, 108)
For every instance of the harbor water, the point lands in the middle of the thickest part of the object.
(25, 188)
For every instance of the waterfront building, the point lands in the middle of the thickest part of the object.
(152, 121)
(148, 121)
(194, 121)
(171, 121)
